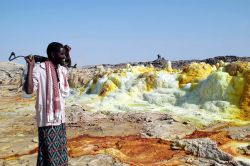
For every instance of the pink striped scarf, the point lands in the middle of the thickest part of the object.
(52, 115)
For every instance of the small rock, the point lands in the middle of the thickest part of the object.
(20, 135)
(245, 150)
(205, 148)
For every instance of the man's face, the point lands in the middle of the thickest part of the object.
(60, 57)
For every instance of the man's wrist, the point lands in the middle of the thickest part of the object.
(31, 67)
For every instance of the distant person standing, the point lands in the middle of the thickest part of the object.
(50, 81)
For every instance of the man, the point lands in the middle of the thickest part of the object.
(50, 81)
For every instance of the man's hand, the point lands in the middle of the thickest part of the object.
(30, 60)
(67, 50)
(68, 58)
(28, 84)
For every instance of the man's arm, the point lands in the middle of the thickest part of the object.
(28, 84)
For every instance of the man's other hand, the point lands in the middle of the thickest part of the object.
(30, 60)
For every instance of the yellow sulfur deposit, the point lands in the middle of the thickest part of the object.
(235, 89)
(142, 69)
(245, 98)
(218, 95)
(150, 79)
(221, 86)
(194, 72)
(116, 80)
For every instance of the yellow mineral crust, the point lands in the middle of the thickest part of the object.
(245, 98)
(194, 72)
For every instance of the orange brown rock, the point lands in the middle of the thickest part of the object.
(129, 149)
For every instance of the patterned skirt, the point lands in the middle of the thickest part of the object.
(52, 150)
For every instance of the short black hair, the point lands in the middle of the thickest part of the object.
(53, 47)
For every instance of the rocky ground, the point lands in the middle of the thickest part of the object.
(117, 139)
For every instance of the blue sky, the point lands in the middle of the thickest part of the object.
(116, 31)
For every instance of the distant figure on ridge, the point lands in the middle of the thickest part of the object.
(158, 56)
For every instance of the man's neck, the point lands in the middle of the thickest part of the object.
(54, 63)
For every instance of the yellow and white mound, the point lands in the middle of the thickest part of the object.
(200, 92)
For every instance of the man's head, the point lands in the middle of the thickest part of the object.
(56, 53)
